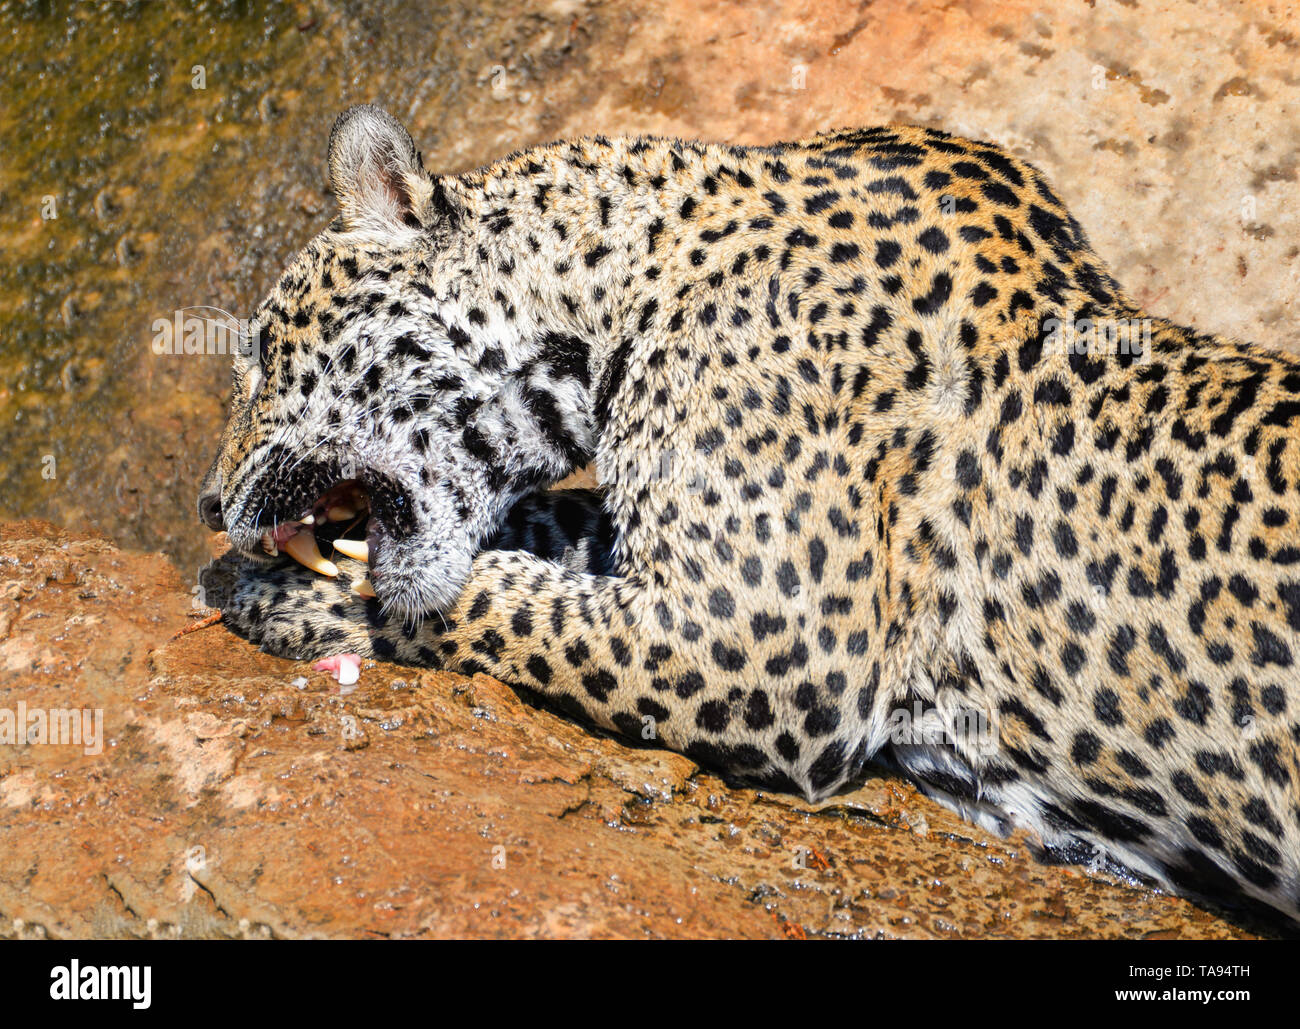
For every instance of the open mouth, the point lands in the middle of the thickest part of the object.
(338, 521)
(320, 512)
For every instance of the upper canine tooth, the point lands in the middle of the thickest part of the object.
(301, 546)
(309, 519)
(358, 550)
(339, 513)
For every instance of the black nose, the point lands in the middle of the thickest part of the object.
(210, 511)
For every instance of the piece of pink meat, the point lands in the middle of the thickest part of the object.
(346, 668)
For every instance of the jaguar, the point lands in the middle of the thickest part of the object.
(874, 431)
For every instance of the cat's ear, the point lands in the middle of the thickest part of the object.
(376, 172)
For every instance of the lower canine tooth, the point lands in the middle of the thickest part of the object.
(363, 588)
(340, 514)
(301, 546)
(358, 550)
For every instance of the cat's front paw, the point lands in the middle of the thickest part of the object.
(293, 612)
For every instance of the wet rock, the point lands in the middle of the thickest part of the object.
(237, 795)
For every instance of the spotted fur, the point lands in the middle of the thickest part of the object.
(847, 465)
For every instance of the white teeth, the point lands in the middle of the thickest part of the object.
(363, 588)
(339, 513)
(358, 550)
(309, 519)
(301, 546)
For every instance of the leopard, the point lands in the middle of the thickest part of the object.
(889, 469)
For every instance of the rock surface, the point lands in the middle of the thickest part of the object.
(238, 795)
